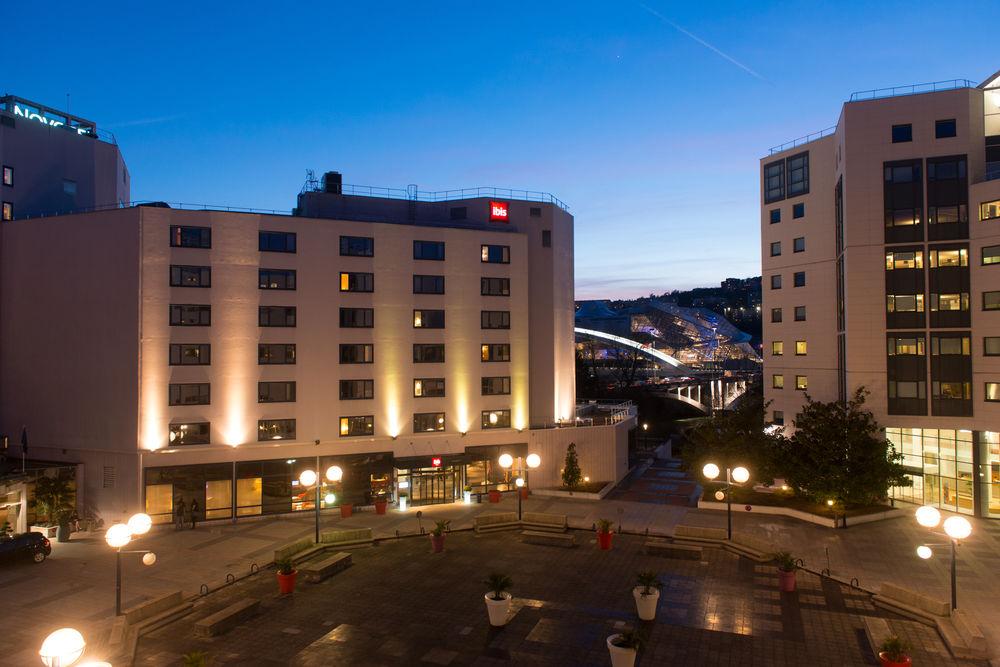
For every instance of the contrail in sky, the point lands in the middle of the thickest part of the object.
(702, 42)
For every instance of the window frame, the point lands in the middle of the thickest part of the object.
(6, 211)
(422, 245)
(799, 279)
(995, 307)
(263, 234)
(775, 248)
(797, 246)
(433, 382)
(489, 348)
(202, 310)
(486, 381)
(267, 309)
(264, 355)
(203, 426)
(905, 133)
(262, 422)
(986, 392)
(943, 123)
(486, 318)
(350, 421)
(287, 396)
(775, 216)
(428, 345)
(995, 257)
(485, 281)
(486, 251)
(177, 233)
(798, 210)
(346, 246)
(367, 358)
(204, 391)
(265, 279)
(353, 278)
(202, 347)
(368, 318)
(420, 278)
(503, 419)
(203, 271)
(986, 352)
(367, 392)
(436, 418)
(797, 318)
(776, 281)
(8, 175)
(423, 320)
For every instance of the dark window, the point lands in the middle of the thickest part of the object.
(428, 387)
(357, 353)
(951, 374)
(496, 418)
(433, 250)
(8, 176)
(947, 198)
(190, 354)
(776, 315)
(496, 254)
(190, 276)
(194, 393)
(775, 215)
(779, 417)
(495, 319)
(797, 170)
(495, 352)
(197, 433)
(776, 282)
(902, 133)
(775, 248)
(799, 279)
(991, 254)
(357, 246)
(535, 211)
(496, 386)
(428, 421)
(991, 300)
(283, 279)
(276, 316)
(945, 128)
(546, 238)
(275, 392)
(799, 244)
(190, 315)
(276, 241)
(357, 318)
(190, 237)
(357, 282)
(275, 353)
(800, 313)
(459, 213)
(428, 319)
(774, 181)
(798, 211)
(903, 195)
(351, 390)
(495, 286)
(276, 429)
(8, 211)
(359, 425)
(991, 346)
(428, 284)
(428, 353)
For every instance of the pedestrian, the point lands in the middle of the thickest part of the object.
(194, 512)
(179, 508)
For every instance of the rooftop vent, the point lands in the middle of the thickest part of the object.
(333, 182)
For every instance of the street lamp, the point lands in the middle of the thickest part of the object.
(955, 528)
(118, 536)
(309, 477)
(532, 461)
(62, 648)
(737, 475)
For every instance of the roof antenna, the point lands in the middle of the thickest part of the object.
(67, 104)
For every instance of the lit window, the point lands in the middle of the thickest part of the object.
(991, 254)
(800, 348)
(197, 433)
(496, 419)
(357, 282)
(496, 352)
(951, 345)
(8, 211)
(428, 387)
(190, 237)
(777, 348)
(904, 260)
(428, 319)
(275, 353)
(801, 382)
(190, 276)
(991, 300)
(992, 392)
(277, 279)
(359, 425)
(496, 254)
(950, 301)
(428, 421)
(905, 345)
(778, 381)
(942, 258)
(905, 303)
(190, 354)
(989, 210)
(275, 429)
(8, 176)
(991, 346)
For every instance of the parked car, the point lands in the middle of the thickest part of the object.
(25, 545)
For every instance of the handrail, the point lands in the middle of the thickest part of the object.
(159, 204)
(812, 136)
(440, 195)
(912, 89)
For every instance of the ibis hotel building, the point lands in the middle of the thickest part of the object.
(881, 262)
(409, 337)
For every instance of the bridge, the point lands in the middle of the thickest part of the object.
(645, 348)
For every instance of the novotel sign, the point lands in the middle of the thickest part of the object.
(44, 118)
(499, 211)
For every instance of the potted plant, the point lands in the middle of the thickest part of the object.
(495, 495)
(647, 595)
(62, 520)
(195, 659)
(286, 575)
(604, 534)
(467, 495)
(498, 599)
(786, 571)
(346, 510)
(381, 504)
(437, 535)
(54, 498)
(894, 652)
(623, 648)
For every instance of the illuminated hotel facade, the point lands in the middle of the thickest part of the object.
(880, 245)
(215, 355)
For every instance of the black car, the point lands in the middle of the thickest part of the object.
(26, 545)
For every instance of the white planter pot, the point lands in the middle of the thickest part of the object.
(646, 604)
(467, 497)
(620, 656)
(497, 609)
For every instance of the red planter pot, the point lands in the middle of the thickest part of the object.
(286, 582)
(886, 662)
(786, 581)
(604, 540)
(524, 493)
(437, 541)
(346, 511)
(494, 496)
(380, 506)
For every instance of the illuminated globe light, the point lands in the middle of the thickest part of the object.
(518, 482)
(719, 495)
(710, 470)
(829, 503)
(148, 559)
(740, 475)
(307, 478)
(533, 460)
(506, 460)
(118, 535)
(140, 523)
(330, 498)
(957, 527)
(924, 551)
(63, 647)
(928, 516)
(334, 473)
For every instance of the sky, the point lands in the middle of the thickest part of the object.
(647, 118)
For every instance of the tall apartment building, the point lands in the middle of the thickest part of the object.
(880, 245)
(213, 356)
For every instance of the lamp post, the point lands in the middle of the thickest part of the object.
(118, 536)
(955, 528)
(738, 475)
(506, 461)
(62, 648)
(309, 477)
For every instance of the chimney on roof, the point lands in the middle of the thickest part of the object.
(333, 182)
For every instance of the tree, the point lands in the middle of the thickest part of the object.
(53, 498)
(839, 452)
(571, 468)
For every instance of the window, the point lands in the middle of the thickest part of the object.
(798, 211)
(992, 392)
(798, 175)
(433, 250)
(776, 281)
(546, 238)
(495, 319)
(496, 418)
(283, 279)
(276, 429)
(189, 315)
(774, 181)
(8, 211)
(276, 316)
(276, 241)
(907, 389)
(779, 417)
(902, 133)
(777, 348)
(800, 348)
(428, 421)
(428, 284)
(357, 353)
(799, 279)
(428, 353)
(904, 303)
(357, 318)
(190, 276)
(197, 433)
(496, 254)
(269, 354)
(954, 345)
(496, 352)
(943, 215)
(775, 215)
(904, 197)
(195, 393)
(961, 391)
(991, 300)
(428, 387)
(989, 210)
(775, 248)
(357, 282)
(991, 346)
(904, 260)
(495, 286)
(941, 258)
(459, 212)
(496, 386)
(991, 254)
(69, 187)
(775, 315)
(947, 198)
(906, 345)
(958, 301)
(944, 128)
(275, 392)
(190, 354)
(8, 176)
(351, 390)
(778, 381)
(357, 246)
(799, 244)
(361, 425)
(190, 237)
(801, 382)
(535, 211)
(428, 319)
(800, 313)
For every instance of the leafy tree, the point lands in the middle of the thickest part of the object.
(571, 468)
(53, 498)
(839, 452)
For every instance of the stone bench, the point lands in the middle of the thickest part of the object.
(752, 547)
(971, 640)
(226, 619)
(959, 631)
(318, 570)
(355, 537)
(549, 538)
(877, 631)
(698, 535)
(541, 521)
(488, 523)
(297, 551)
(672, 550)
(154, 607)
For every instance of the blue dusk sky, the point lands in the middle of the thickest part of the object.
(647, 118)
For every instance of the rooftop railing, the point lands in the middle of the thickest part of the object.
(158, 204)
(803, 140)
(912, 89)
(413, 194)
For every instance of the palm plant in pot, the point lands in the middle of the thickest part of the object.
(623, 648)
(286, 575)
(647, 594)
(604, 534)
(786, 571)
(437, 535)
(498, 599)
(894, 652)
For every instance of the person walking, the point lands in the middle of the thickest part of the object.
(194, 512)
(179, 508)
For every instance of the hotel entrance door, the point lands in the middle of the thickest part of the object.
(429, 486)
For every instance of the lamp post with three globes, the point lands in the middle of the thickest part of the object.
(956, 528)
(118, 536)
(532, 461)
(739, 475)
(309, 477)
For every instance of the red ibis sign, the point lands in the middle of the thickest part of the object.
(436, 462)
(499, 211)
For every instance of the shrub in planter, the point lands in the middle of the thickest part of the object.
(647, 595)
(286, 575)
(437, 535)
(894, 652)
(786, 571)
(494, 496)
(623, 648)
(346, 511)
(498, 599)
(604, 534)
(62, 520)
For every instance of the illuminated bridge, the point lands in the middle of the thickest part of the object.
(645, 348)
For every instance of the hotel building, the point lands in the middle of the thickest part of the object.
(880, 245)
